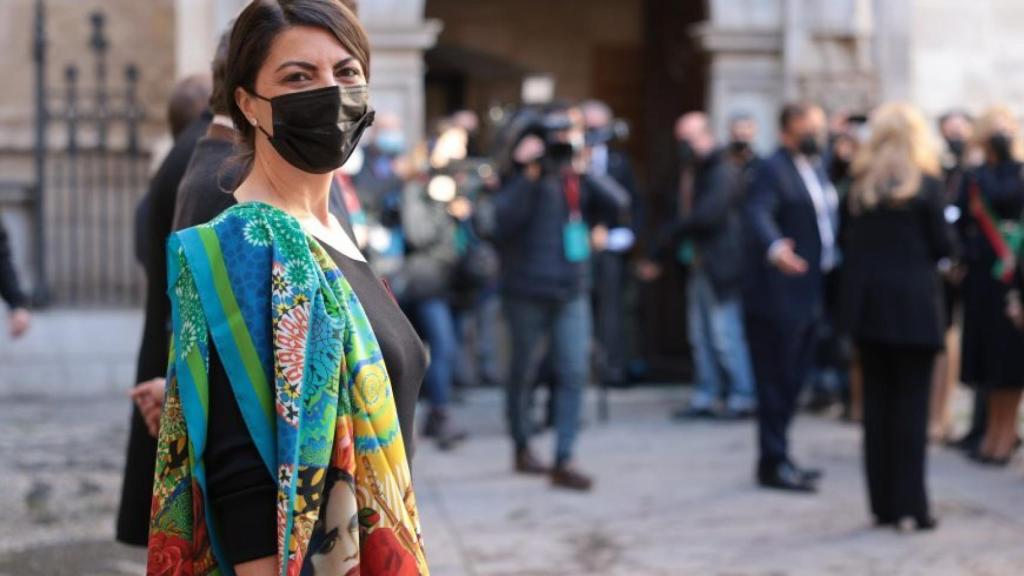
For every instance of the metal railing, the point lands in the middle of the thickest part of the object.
(89, 183)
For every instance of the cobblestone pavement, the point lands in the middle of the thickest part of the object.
(671, 499)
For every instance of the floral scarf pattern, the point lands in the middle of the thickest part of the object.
(309, 378)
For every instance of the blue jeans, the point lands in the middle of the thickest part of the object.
(436, 326)
(567, 327)
(718, 340)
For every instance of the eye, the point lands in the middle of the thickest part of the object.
(349, 72)
(298, 77)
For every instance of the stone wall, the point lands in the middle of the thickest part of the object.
(138, 31)
(967, 54)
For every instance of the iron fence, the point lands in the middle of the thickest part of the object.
(89, 179)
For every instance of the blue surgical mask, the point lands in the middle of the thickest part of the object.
(391, 142)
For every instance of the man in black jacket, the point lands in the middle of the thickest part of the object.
(715, 224)
(792, 210)
(541, 216)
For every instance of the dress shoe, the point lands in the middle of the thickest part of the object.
(439, 426)
(693, 413)
(810, 474)
(925, 523)
(565, 476)
(785, 476)
(884, 522)
(527, 463)
(736, 414)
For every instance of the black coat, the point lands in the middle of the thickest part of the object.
(716, 223)
(891, 291)
(137, 489)
(993, 348)
(779, 206)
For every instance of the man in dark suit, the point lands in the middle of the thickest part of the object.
(792, 217)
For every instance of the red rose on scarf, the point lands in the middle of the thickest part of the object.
(382, 554)
(168, 556)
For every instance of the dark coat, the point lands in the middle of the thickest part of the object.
(891, 291)
(620, 169)
(779, 206)
(10, 291)
(530, 218)
(716, 224)
(137, 489)
(993, 348)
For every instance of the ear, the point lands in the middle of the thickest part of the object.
(247, 104)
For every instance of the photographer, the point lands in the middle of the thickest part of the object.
(544, 239)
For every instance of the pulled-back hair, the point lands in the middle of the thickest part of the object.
(254, 33)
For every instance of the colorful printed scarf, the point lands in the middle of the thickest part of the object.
(309, 378)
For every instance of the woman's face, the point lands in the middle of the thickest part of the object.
(301, 58)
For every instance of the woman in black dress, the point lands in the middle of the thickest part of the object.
(993, 349)
(892, 304)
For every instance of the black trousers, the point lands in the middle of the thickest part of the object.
(782, 355)
(610, 314)
(897, 388)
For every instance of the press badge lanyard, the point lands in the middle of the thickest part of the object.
(572, 195)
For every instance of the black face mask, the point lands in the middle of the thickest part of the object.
(317, 130)
(687, 155)
(739, 146)
(956, 146)
(808, 145)
(1000, 144)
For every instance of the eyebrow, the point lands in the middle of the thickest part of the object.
(307, 66)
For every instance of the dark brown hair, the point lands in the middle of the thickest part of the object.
(188, 101)
(254, 32)
(791, 112)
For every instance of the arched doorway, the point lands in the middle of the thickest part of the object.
(639, 56)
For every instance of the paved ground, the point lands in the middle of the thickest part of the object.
(671, 500)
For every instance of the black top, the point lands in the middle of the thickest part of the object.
(241, 489)
(205, 190)
(155, 226)
(891, 289)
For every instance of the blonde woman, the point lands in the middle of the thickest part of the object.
(892, 304)
(993, 349)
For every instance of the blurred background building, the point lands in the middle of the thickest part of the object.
(649, 59)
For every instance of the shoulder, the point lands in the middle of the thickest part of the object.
(246, 232)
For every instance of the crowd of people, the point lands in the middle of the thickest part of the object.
(841, 268)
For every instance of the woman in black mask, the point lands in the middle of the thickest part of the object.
(993, 348)
(294, 375)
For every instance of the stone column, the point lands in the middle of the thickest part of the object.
(399, 35)
(198, 26)
(745, 43)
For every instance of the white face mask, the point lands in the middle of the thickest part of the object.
(354, 164)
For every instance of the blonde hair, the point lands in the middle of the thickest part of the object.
(890, 166)
(993, 120)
